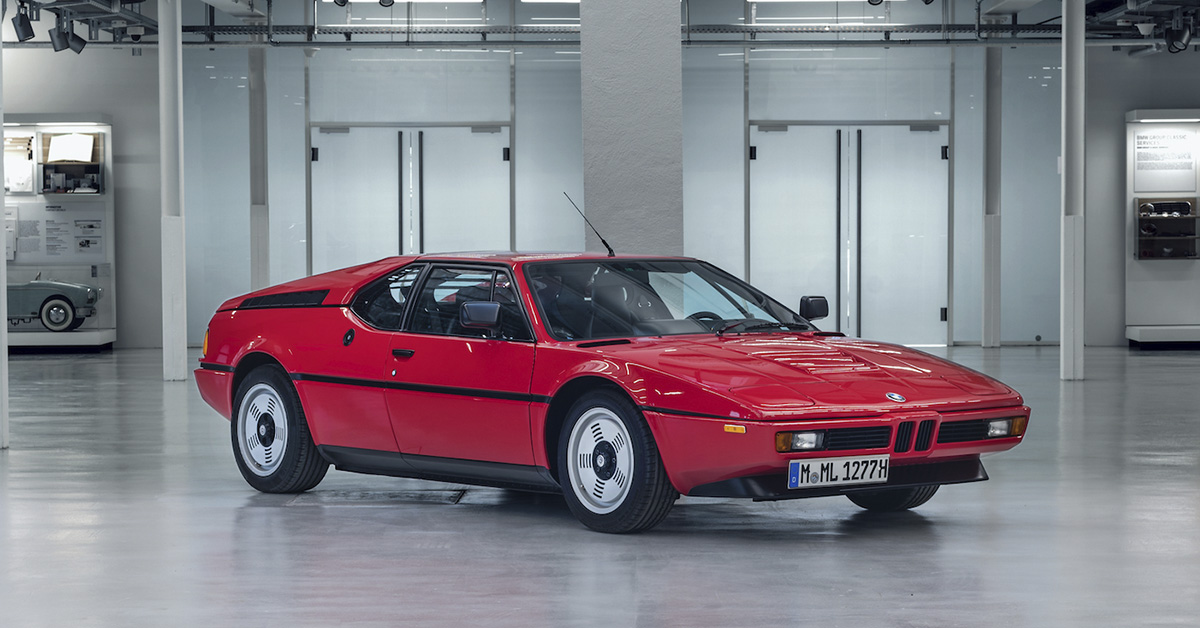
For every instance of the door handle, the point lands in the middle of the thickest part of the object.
(402, 353)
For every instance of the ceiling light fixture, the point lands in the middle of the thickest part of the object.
(59, 40)
(21, 23)
(386, 3)
(874, 3)
(76, 42)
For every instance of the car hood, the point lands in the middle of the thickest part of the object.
(782, 374)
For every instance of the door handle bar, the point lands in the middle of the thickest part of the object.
(402, 353)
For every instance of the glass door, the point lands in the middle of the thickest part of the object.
(795, 215)
(902, 239)
(459, 189)
(355, 196)
(856, 214)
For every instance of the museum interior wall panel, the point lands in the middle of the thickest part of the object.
(969, 111)
(285, 162)
(369, 85)
(839, 84)
(1030, 195)
(125, 87)
(713, 157)
(216, 165)
(548, 151)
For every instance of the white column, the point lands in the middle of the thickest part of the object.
(4, 301)
(991, 200)
(1074, 66)
(170, 129)
(260, 234)
(633, 124)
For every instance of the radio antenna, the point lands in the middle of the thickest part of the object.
(589, 223)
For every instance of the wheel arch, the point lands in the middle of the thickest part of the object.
(248, 363)
(560, 405)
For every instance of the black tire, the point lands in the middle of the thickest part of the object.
(57, 314)
(609, 468)
(893, 499)
(265, 405)
(79, 320)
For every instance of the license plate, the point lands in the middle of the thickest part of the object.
(819, 472)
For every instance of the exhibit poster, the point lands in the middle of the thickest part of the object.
(59, 233)
(1164, 160)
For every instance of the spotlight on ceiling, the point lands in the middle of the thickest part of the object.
(1177, 39)
(59, 40)
(340, 3)
(927, 1)
(76, 42)
(874, 3)
(21, 24)
(386, 3)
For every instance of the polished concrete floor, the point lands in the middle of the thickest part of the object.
(120, 505)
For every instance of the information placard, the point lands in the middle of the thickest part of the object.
(1164, 160)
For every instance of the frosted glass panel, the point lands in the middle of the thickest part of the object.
(465, 188)
(390, 85)
(968, 194)
(850, 84)
(903, 242)
(356, 197)
(1030, 196)
(713, 173)
(286, 154)
(216, 165)
(548, 150)
(794, 215)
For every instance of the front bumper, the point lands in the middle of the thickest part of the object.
(733, 457)
(774, 487)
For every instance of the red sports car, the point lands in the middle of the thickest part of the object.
(622, 382)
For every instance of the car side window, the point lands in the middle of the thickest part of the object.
(382, 303)
(436, 309)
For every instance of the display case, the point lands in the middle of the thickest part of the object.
(58, 223)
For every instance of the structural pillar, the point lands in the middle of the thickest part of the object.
(170, 129)
(260, 224)
(1073, 68)
(4, 301)
(633, 124)
(994, 71)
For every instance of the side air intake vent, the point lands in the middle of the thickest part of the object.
(310, 298)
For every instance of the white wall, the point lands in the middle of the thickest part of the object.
(123, 86)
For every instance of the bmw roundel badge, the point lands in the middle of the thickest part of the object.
(897, 397)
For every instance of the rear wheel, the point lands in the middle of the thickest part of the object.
(893, 499)
(612, 476)
(57, 314)
(271, 441)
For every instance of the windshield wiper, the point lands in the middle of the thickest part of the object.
(753, 324)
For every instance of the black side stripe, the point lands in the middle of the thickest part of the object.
(442, 390)
(687, 413)
(210, 366)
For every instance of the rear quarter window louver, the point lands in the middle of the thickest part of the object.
(310, 298)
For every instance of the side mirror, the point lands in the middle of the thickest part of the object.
(479, 315)
(814, 308)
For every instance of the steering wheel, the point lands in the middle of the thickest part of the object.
(706, 318)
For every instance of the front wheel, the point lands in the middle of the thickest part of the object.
(609, 467)
(271, 441)
(893, 499)
(57, 314)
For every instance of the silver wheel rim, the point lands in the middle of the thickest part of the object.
(262, 430)
(600, 460)
(56, 315)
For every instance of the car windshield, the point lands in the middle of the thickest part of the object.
(588, 299)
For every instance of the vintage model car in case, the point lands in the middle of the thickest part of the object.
(60, 305)
(622, 382)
